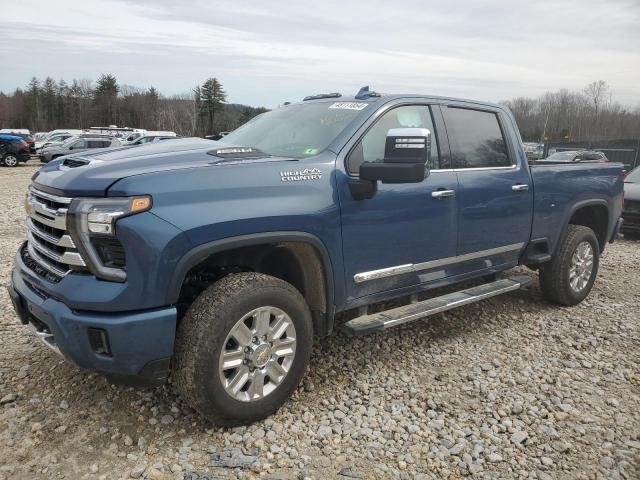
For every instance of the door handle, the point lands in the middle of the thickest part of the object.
(443, 194)
(520, 187)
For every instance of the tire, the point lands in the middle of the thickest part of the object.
(556, 275)
(10, 160)
(208, 327)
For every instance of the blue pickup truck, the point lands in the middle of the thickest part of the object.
(220, 261)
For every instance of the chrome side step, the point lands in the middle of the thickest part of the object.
(417, 311)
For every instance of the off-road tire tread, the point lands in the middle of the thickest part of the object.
(554, 274)
(204, 316)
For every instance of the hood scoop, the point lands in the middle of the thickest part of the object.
(75, 162)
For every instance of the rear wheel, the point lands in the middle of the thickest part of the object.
(10, 160)
(242, 348)
(568, 278)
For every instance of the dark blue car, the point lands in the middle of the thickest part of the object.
(13, 150)
(220, 261)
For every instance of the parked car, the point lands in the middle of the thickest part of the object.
(24, 136)
(54, 139)
(534, 151)
(13, 150)
(631, 209)
(48, 138)
(222, 261)
(152, 139)
(571, 156)
(76, 144)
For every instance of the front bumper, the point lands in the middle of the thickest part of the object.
(128, 347)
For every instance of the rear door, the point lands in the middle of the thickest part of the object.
(496, 195)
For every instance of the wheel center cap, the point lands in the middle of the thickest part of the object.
(260, 355)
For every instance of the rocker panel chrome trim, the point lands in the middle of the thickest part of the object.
(415, 267)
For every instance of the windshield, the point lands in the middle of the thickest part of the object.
(57, 138)
(296, 131)
(633, 177)
(561, 157)
(69, 141)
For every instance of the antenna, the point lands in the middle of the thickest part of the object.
(365, 93)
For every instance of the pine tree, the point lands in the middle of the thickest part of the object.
(106, 99)
(32, 103)
(213, 97)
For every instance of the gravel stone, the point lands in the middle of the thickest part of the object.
(137, 471)
(232, 458)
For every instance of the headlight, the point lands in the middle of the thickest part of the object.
(95, 219)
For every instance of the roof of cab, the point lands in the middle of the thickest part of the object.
(387, 97)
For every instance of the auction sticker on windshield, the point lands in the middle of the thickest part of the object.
(349, 105)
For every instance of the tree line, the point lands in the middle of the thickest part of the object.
(45, 105)
(586, 115)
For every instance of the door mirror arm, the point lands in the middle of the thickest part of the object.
(362, 189)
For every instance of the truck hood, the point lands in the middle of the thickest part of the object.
(92, 173)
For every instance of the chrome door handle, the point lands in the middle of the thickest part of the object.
(443, 193)
(521, 187)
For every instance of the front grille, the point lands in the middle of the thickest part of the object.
(49, 245)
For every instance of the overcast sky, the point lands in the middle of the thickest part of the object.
(265, 55)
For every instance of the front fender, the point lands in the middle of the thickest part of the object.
(201, 252)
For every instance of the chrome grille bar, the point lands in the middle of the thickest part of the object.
(63, 241)
(49, 243)
(44, 263)
(70, 258)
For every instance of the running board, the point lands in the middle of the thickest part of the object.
(417, 311)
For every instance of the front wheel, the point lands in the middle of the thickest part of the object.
(10, 160)
(242, 348)
(568, 278)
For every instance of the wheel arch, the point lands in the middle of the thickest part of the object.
(594, 214)
(299, 258)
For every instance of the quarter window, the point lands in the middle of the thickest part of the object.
(476, 139)
(370, 148)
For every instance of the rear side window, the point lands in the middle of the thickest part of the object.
(476, 139)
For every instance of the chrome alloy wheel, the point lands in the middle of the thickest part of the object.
(257, 354)
(581, 266)
(10, 161)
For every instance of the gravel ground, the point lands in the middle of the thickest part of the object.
(510, 388)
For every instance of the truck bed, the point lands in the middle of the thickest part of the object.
(560, 189)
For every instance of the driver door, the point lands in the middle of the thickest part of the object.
(402, 224)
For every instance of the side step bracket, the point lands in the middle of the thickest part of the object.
(417, 311)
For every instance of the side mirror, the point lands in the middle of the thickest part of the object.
(406, 157)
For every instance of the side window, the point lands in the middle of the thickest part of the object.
(94, 144)
(80, 144)
(370, 148)
(476, 139)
